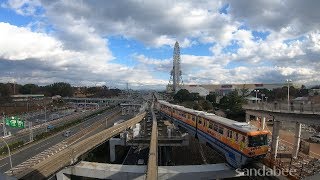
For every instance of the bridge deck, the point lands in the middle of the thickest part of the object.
(69, 155)
(118, 171)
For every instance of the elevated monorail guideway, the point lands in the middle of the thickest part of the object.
(152, 169)
(70, 155)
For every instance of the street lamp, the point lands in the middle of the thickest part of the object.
(256, 91)
(288, 81)
(262, 95)
(266, 99)
(8, 152)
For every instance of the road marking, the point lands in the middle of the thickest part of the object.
(42, 146)
(3, 164)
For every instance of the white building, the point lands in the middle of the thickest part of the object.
(197, 89)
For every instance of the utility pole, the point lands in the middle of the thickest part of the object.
(288, 81)
(4, 125)
(45, 113)
(31, 132)
(256, 91)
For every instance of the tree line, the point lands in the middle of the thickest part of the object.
(59, 88)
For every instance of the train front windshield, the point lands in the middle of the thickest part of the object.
(259, 140)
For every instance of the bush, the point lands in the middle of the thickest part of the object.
(12, 146)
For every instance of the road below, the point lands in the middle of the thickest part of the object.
(34, 149)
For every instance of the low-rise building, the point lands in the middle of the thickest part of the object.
(224, 89)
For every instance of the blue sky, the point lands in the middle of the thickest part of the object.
(95, 42)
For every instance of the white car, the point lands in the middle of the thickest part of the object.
(315, 138)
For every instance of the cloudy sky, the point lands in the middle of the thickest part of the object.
(111, 43)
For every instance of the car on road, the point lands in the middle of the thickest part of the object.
(67, 133)
(50, 127)
(315, 138)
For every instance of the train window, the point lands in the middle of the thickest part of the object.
(210, 125)
(193, 118)
(204, 122)
(229, 134)
(243, 139)
(259, 140)
(221, 130)
(237, 136)
(200, 121)
(215, 127)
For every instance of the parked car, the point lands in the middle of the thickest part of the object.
(315, 138)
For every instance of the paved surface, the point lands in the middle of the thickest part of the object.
(38, 118)
(37, 148)
(70, 155)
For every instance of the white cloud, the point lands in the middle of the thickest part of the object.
(31, 57)
(297, 17)
(23, 7)
(78, 40)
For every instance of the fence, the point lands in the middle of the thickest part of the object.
(309, 108)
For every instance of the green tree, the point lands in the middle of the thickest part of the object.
(29, 89)
(244, 92)
(233, 102)
(4, 92)
(206, 105)
(60, 88)
(182, 95)
(212, 97)
(303, 91)
(197, 106)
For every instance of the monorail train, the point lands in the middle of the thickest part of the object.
(240, 142)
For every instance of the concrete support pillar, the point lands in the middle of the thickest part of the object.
(61, 176)
(247, 117)
(297, 137)
(275, 138)
(112, 145)
(263, 123)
